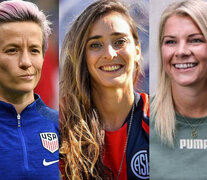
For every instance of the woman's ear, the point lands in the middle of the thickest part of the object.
(138, 52)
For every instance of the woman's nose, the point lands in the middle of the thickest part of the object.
(182, 50)
(109, 53)
(24, 60)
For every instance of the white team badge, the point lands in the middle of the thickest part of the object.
(50, 141)
(140, 164)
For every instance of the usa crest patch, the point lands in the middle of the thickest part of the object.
(50, 141)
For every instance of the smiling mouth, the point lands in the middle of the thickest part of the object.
(185, 65)
(111, 68)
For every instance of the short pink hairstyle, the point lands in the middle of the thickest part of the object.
(21, 11)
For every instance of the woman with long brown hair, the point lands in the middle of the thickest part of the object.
(104, 122)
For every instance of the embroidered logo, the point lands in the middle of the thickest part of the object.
(140, 164)
(49, 141)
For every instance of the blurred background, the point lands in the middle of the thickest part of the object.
(48, 85)
(69, 10)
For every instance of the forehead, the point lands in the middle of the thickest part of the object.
(111, 22)
(176, 24)
(20, 30)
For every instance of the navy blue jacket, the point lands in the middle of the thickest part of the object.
(29, 142)
(136, 163)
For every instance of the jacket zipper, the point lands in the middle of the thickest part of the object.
(23, 142)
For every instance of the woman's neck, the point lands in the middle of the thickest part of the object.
(113, 106)
(18, 100)
(190, 101)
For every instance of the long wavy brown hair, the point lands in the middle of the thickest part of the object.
(81, 131)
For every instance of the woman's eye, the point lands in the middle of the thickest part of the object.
(120, 42)
(35, 51)
(95, 45)
(11, 51)
(196, 41)
(169, 42)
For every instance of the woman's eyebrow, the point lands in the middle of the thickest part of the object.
(94, 37)
(119, 34)
(168, 36)
(112, 34)
(195, 34)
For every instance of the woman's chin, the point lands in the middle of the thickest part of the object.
(185, 82)
(117, 82)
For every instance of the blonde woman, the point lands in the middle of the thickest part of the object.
(104, 122)
(179, 109)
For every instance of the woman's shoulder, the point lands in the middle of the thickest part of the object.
(144, 97)
(47, 112)
(142, 100)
